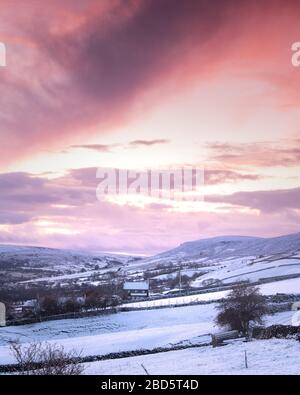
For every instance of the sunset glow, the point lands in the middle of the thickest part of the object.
(139, 85)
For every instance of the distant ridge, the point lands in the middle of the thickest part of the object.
(223, 247)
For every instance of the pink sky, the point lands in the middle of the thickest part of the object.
(138, 84)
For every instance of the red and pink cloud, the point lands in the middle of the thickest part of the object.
(79, 72)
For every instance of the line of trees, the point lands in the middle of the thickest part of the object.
(49, 302)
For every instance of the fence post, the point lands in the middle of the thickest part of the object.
(246, 360)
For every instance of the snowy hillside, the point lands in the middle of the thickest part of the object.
(220, 248)
(207, 262)
(52, 258)
(229, 259)
(18, 263)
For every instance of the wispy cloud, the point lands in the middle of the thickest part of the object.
(110, 147)
(273, 201)
(138, 143)
(260, 154)
(215, 177)
(95, 147)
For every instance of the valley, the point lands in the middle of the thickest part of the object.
(186, 285)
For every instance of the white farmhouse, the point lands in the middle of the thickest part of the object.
(137, 289)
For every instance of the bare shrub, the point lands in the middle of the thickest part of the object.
(243, 306)
(44, 359)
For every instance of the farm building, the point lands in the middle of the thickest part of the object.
(137, 289)
(25, 308)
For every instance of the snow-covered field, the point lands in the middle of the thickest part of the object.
(180, 300)
(118, 332)
(187, 272)
(248, 270)
(79, 276)
(273, 357)
(291, 286)
(129, 331)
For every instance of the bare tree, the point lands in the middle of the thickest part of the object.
(243, 306)
(44, 359)
(50, 305)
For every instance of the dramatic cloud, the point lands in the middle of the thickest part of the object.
(69, 79)
(76, 68)
(170, 81)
